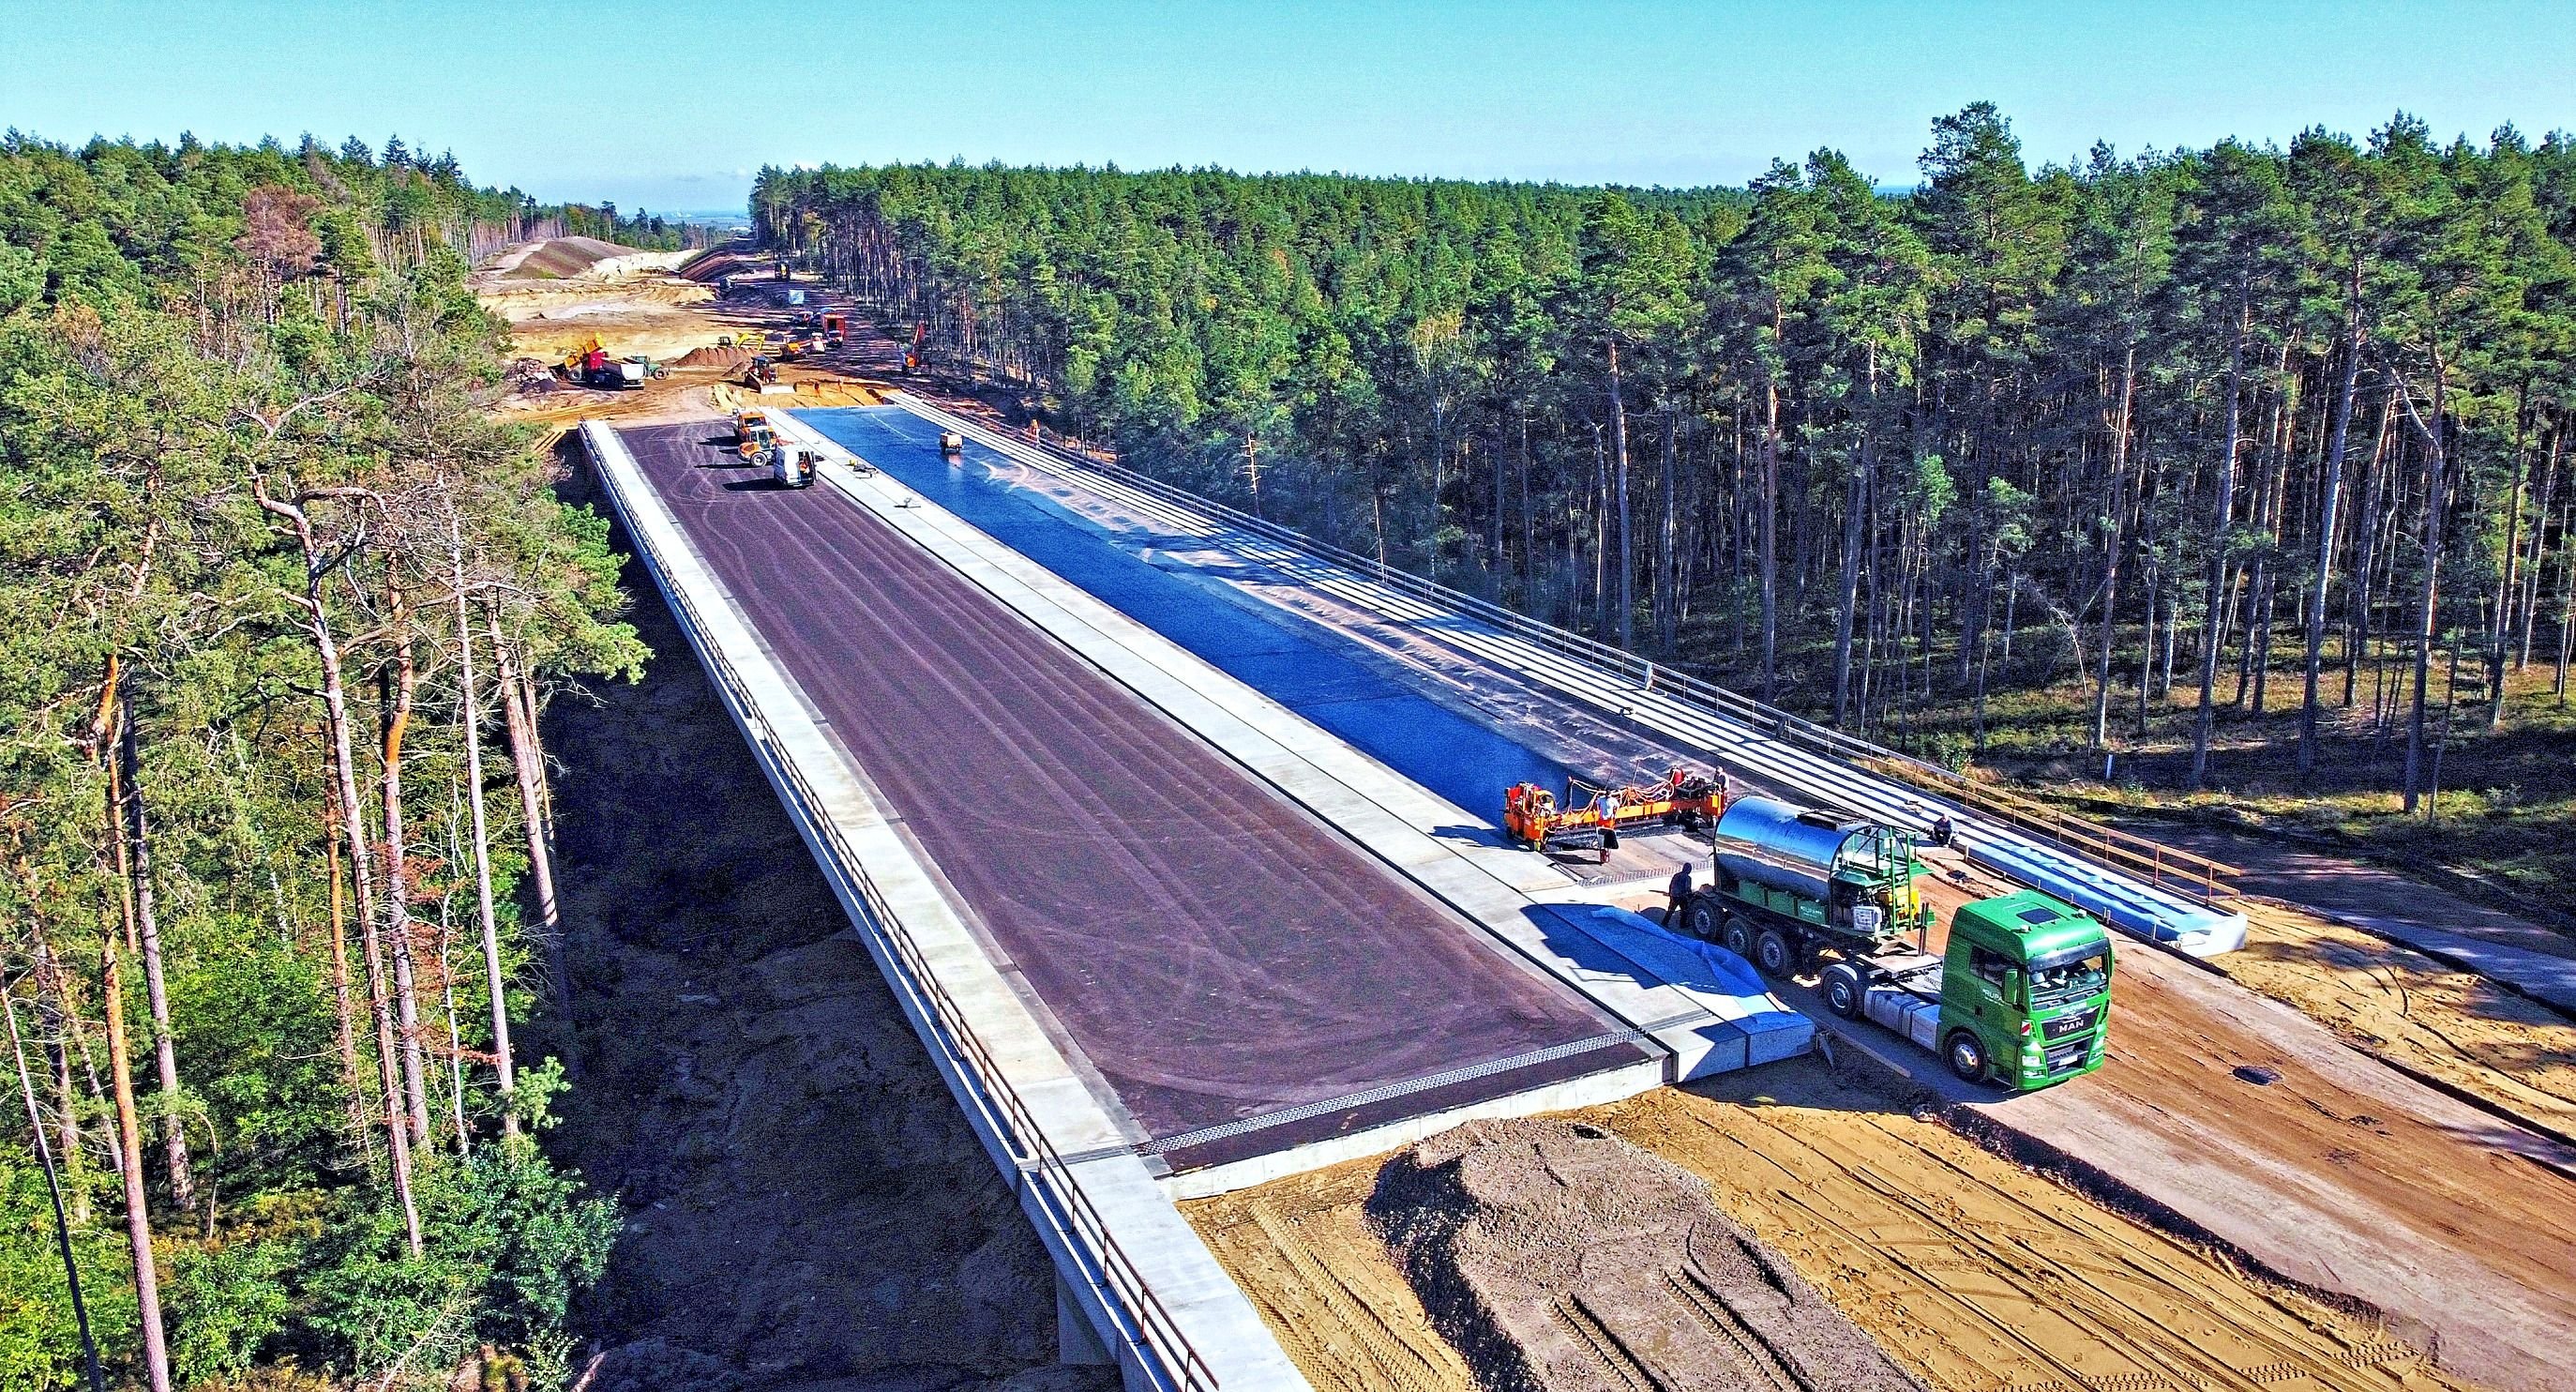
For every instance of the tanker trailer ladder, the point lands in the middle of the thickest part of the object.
(2168, 896)
(1131, 1273)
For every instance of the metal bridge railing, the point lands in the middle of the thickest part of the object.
(1049, 1174)
(2189, 873)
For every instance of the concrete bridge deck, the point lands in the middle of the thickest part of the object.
(1207, 953)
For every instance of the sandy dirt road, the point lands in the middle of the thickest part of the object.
(1973, 1272)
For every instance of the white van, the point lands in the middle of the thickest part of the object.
(792, 466)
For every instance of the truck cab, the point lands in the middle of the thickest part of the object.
(2028, 980)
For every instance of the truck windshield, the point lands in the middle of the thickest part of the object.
(2063, 975)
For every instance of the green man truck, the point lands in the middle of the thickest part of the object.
(2020, 993)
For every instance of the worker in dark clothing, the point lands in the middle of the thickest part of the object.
(1942, 831)
(1679, 891)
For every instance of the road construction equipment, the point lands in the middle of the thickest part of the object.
(951, 444)
(792, 466)
(2021, 994)
(1592, 816)
(587, 364)
(752, 434)
(759, 372)
(836, 330)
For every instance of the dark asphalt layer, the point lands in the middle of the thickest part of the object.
(1284, 656)
(1213, 952)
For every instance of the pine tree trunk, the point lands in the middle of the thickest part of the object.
(54, 1016)
(1619, 483)
(344, 1013)
(2539, 548)
(2223, 517)
(527, 762)
(135, 858)
(401, 687)
(1668, 609)
(2330, 500)
(1856, 492)
(2428, 590)
(129, 1130)
(470, 727)
(1768, 539)
(2501, 631)
(2113, 545)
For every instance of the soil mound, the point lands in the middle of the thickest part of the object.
(565, 257)
(1557, 1257)
(714, 357)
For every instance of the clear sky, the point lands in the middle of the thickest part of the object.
(671, 106)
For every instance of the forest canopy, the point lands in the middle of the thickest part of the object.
(2277, 427)
(278, 603)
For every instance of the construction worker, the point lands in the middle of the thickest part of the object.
(1942, 831)
(1679, 892)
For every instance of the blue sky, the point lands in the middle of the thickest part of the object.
(672, 106)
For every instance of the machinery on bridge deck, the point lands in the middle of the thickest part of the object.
(2019, 994)
(1591, 816)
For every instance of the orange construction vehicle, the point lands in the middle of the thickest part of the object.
(836, 330)
(1591, 816)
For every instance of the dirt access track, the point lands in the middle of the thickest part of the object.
(1970, 1271)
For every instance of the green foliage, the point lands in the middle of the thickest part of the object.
(39, 1346)
(229, 1301)
(508, 1241)
(1442, 374)
(243, 429)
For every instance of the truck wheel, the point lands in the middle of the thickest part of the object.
(1967, 1056)
(1702, 919)
(1772, 953)
(1843, 990)
(1736, 936)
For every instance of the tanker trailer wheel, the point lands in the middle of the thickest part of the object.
(1843, 990)
(1702, 919)
(1772, 953)
(1967, 1056)
(1736, 936)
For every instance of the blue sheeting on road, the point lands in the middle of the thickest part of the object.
(1288, 659)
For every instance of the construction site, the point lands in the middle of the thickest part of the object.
(1335, 981)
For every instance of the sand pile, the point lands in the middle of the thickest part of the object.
(565, 257)
(1558, 1257)
(729, 357)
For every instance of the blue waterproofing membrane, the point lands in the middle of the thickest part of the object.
(1304, 667)
(1282, 655)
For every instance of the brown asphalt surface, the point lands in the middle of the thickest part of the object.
(1209, 949)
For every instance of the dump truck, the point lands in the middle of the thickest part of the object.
(2019, 993)
(836, 330)
(588, 365)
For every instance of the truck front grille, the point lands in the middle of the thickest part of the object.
(2070, 1025)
